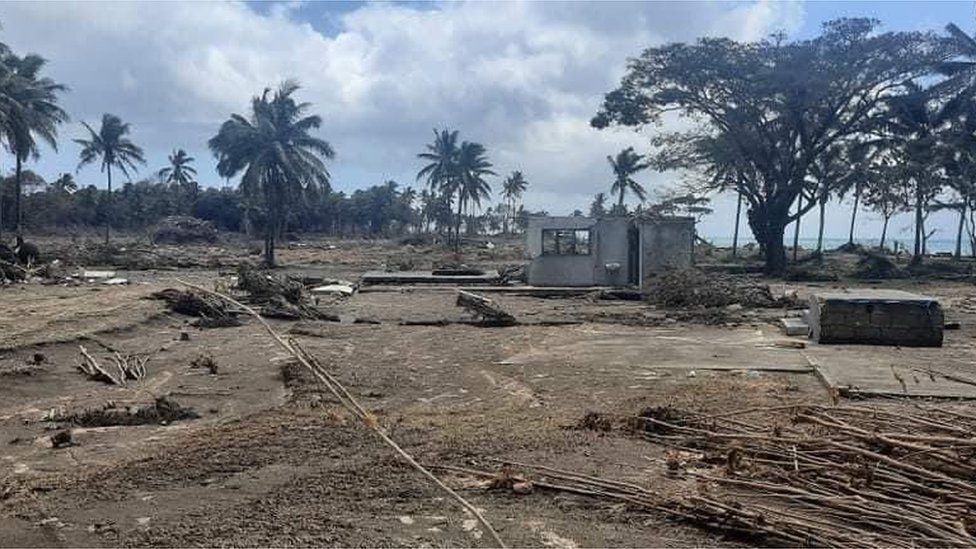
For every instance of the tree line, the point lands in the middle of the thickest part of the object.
(284, 183)
(886, 119)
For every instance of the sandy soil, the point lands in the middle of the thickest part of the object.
(274, 460)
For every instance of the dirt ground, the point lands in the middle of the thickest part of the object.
(274, 460)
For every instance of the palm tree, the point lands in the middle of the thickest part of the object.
(179, 172)
(441, 172)
(113, 149)
(273, 149)
(625, 165)
(31, 114)
(472, 167)
(512, 190)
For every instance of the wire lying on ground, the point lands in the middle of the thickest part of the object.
(350, 403)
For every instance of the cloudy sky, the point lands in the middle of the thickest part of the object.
(523, 78)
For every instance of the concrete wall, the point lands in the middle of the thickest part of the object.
(666, 244)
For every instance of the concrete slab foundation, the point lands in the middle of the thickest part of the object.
(876, 317)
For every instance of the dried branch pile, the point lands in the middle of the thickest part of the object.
(123, 367)
(829, 476)
(160, 412)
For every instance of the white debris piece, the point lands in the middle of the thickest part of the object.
(97, 274)
(116, 281)
(341, 289)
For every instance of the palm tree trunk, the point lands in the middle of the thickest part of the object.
(108, 219)
(962, 221)
(620, 202)
(857, 200)
(735, 232)
(457, 224)
(796, 228)
(18, 213)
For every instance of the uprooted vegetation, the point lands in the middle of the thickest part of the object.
(161, 411)
(278, 297)
(210, 311)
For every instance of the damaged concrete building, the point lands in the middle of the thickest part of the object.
(609, 251)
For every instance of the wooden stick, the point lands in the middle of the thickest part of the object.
(340, 392)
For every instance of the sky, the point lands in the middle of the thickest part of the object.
(523, 78)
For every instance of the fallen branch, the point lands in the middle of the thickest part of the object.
(351, 404)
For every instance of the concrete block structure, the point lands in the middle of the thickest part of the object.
(876, 317)
(609, 251)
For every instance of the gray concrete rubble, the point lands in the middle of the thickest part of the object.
(876, 317)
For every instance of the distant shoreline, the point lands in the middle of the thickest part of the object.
(934, 245)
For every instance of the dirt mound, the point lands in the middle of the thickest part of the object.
(178, 229)
(875, 266)
(160, 412)
(695, 289)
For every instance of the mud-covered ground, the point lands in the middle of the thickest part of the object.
(273, 459)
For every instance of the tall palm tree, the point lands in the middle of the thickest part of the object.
(179, 172)
(110, 146)
(625, 165)
(472, 167)
(32, 115)
(274, 151)
(512, 189)
(441, 171)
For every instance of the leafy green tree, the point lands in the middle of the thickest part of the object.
(779, 105)
(31, 114)
(110, 146)
(625, 165)
(274, 151)
(885, 192)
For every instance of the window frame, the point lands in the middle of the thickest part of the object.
(575, 240)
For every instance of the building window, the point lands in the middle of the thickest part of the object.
(565, 241)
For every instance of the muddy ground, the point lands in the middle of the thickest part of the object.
(273, 459)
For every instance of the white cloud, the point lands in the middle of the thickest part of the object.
(523, 78)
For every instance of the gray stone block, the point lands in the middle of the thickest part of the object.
(877, 317)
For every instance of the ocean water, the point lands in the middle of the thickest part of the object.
(935, 245)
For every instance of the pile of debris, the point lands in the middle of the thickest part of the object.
(278, 297)
(694, 289)
(179, 229)
(210, 311)
(872, 265)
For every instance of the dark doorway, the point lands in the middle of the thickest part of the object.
(633, 256)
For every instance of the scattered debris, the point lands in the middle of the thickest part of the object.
(491, 314)
(876, 266)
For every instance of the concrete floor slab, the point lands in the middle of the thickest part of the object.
(852, 372)
(700, 348)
